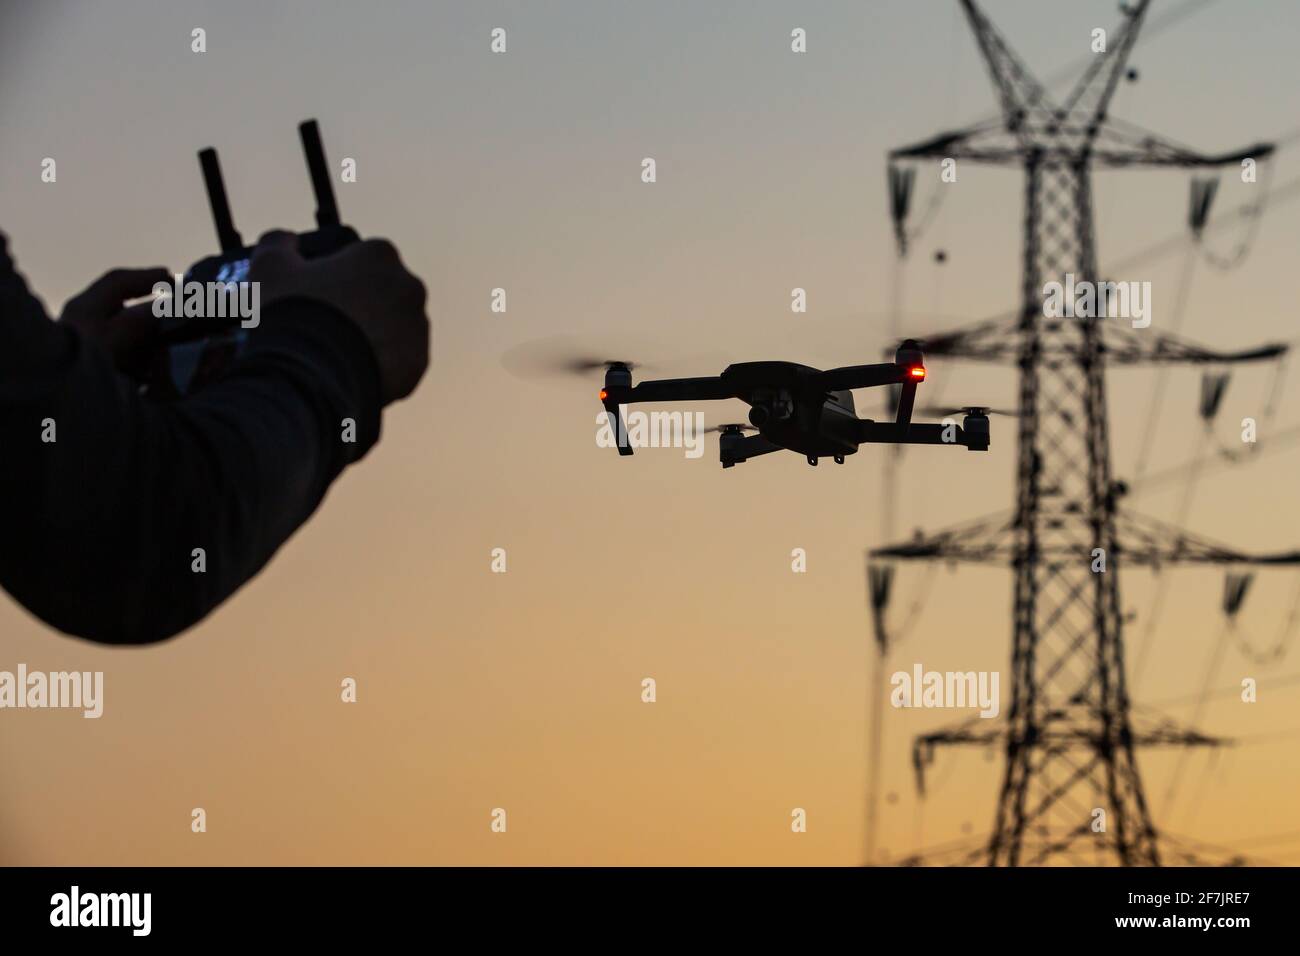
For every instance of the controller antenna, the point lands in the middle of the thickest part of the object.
(327, 212)
(227, 234)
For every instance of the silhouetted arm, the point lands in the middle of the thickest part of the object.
(99, 527)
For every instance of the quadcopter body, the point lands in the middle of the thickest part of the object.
(799, 408)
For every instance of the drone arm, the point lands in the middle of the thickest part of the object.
(863, 376)
(893, 433)
(708, 388)
(613, 397)
(906, 399)
(734, 449)
(614, 416)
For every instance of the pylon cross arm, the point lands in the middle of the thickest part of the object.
(986, 540)
(1142, 542)
(995, 341)
(1117, 144)
(1148, 542)
(1124, 345)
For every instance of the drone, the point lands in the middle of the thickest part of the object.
(797, 408)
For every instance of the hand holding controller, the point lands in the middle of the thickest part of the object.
(194, 350)
(365, 281)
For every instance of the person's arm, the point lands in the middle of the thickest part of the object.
(106, 498)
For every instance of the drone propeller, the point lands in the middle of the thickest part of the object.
(558, 357)
(935, 411)
(580, 365)
(562, 355)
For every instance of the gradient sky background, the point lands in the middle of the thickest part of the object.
(522, 690)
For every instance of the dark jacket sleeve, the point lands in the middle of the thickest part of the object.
(126, 521)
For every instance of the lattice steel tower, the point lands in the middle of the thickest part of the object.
(1068, 735)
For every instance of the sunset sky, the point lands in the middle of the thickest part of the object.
(522, 171)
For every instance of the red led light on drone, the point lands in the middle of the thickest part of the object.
(917, 372)
(603, 394)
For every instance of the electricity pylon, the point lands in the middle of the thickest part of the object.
(1068, 734)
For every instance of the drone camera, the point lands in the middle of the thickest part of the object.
(770, 405)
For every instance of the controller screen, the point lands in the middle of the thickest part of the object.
(234, 271)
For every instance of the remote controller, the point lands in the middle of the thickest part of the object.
(193, 351)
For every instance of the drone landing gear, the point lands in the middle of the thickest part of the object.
(812, 460)
(839, 459)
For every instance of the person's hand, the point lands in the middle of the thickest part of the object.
(367, 282)
(127, 332)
